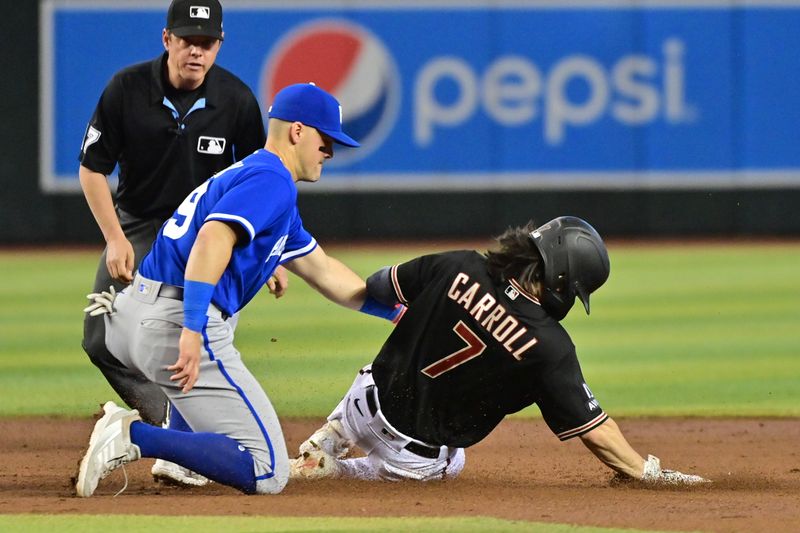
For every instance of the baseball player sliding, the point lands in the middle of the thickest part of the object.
(481, 339)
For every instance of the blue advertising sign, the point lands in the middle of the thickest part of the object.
(482, 95)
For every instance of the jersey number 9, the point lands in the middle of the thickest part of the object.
(178, 225)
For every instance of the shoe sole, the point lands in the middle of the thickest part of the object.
(166, 479)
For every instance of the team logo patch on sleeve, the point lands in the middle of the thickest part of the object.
(92, 136)
(591, 404)
(211, 145)
(279, 246)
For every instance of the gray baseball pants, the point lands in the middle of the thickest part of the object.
(143, 335)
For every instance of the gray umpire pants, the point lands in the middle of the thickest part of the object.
(143, 334)
(130, 384)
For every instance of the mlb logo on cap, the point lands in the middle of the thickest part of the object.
(200, 12)
(190, 18)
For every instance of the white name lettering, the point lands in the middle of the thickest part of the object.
(505, 329)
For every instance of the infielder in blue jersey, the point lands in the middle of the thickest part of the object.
(219, 248)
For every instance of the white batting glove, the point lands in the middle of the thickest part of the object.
(654, 474)
(101, 302)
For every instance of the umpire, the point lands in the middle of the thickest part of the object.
(169, 124)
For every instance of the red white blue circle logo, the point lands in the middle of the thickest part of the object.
(349, 62)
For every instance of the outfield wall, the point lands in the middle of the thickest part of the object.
(653, 118)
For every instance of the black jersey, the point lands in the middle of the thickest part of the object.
(470, 350)
(164, 151)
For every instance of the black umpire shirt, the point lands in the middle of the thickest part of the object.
(166, 141)
(470, 350)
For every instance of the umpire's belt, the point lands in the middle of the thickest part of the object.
(429, 452)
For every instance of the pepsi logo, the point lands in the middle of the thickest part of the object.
(349, 62)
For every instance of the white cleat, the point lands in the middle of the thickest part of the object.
(315, 464)
(110, 447)
(174, 474)
(330, 439)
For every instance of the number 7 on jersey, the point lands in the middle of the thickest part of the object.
(475, 346)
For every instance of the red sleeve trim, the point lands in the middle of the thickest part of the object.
(523, 292)
(588, 426)
(396, 286)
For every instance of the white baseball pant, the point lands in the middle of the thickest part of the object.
(391, 455)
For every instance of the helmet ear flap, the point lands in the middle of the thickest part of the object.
(557, 304)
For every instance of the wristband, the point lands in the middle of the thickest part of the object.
(196, 299)
(375, 308)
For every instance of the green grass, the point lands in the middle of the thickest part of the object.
(202, 524)
(677, 330)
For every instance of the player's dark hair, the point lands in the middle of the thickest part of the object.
(516, 257)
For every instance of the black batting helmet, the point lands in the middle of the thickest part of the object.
(575, 263)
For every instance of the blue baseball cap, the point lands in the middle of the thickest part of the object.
(307, 103)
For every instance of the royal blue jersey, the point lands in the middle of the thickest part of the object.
(259, 195)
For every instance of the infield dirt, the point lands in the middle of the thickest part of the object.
(521, 472)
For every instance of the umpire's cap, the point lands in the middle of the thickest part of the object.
(307, 103)
(195, 17)
(575, 263)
